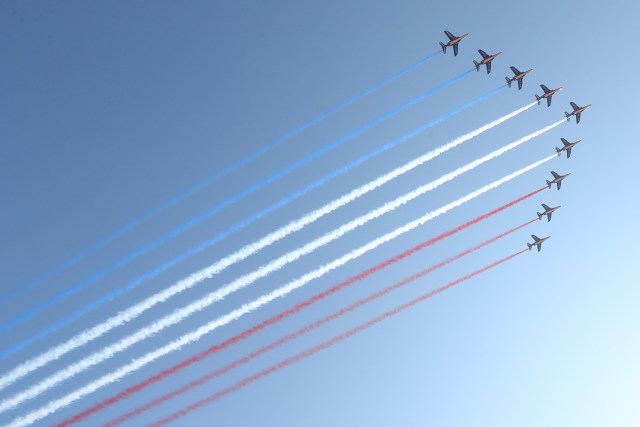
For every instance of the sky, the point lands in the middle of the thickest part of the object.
(110, 109)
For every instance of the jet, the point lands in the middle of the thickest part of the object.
(486, 59)
(547, 211)
(567, 147)
(538, 242)
(453, 41)
(518, 76)
(576, 111)
(557, 179)
(548, 93)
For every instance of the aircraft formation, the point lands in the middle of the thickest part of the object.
(45, 355)
(518, 76)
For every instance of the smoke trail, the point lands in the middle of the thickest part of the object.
(246, 359)
(323, 346)
(38, 308)
(243, 281)
(78, 257)
(283, 202)
(198, 333)
(93, 333)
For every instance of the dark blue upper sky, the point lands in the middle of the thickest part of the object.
(109, 109)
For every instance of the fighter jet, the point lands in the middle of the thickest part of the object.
(548, 93)
(557, 179)
(453, 41)
(576, 111)
(486, 59)
(538, 242)
(518, 76)
(567, 147)
(547, 211)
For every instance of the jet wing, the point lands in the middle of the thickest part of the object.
(568, 152)
(488, 67)
(574, 106)
(519, 84)
(555, 174)
(546, 208)
(515, 70)
(559, 184)
(455, 49)
(549, 101)
(482, 53)
(545, 89)
(534, 237)
(578, 118)
(539, 246)
(564, 141)
(549, 216)
(451, 36)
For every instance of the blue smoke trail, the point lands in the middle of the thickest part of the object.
(216, 209)
(75, 259)
(222, 235)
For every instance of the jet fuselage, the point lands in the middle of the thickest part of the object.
(457, 40)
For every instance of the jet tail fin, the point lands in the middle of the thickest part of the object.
(508, 81)
(548, 183)
(539, 216)
(567, 115)
(477, 65)
(558, 151)
(444, 47)
(530, 245)
(538, 98)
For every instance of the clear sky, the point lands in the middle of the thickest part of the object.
(107, 109)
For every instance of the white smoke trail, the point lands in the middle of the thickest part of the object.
(245, 280)
(198, 333)
(92, 333)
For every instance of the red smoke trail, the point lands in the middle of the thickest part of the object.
(283, 315)
(327, 344)
(246, 359)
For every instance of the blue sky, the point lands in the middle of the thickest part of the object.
(109, 109)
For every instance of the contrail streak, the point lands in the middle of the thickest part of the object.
(323, 346)
(54, 327)
(296, 309)
(198, 333)
(38, 308)
(264, 149)
(93, 333)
